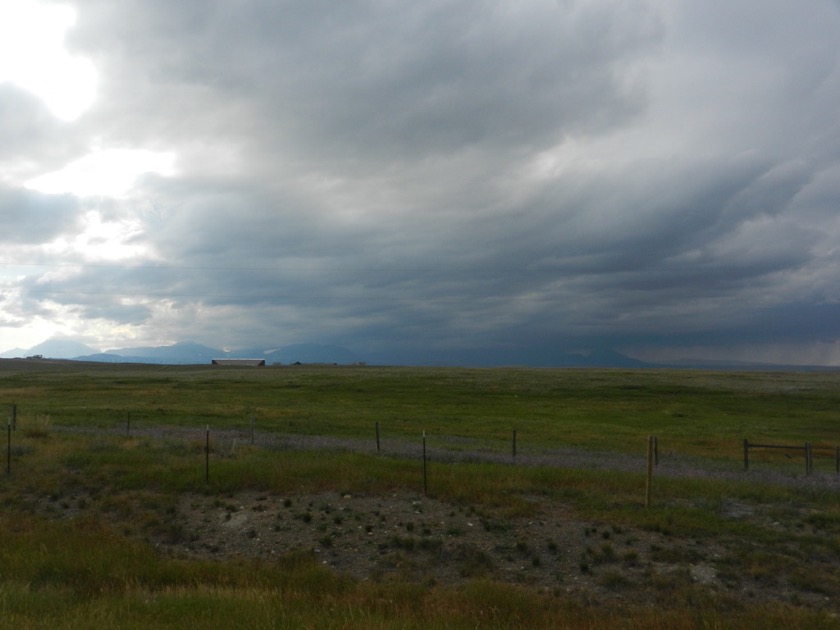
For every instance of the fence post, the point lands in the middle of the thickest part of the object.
(14, 415)
(746, 454)
(425, 470)
(377, 437)
(809, 462)
(207, 454)
(656, 451)
(514, 443)
(837, 460)
(252, 429)
(649, 478)
(128, 424)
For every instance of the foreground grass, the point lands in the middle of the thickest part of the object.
(82, 512)
(480, 605)
(81, 576)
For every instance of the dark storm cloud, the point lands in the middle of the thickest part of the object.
(363, 80)
(32, 141)
(436, 177)
(25, 122)
(28, 217)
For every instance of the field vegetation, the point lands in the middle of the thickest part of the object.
(198, 496)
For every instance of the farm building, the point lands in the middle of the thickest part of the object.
(252, 362)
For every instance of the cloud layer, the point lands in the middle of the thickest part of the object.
(418, 181)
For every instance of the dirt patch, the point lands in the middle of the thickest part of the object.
(413, 537)
(410, 537)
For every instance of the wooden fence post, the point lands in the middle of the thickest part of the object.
(513, 452)
(746, 454)
(425, 470)
(649, 478)
(809, 462)
(377, 437)
(207, 454)
(655, 450)
(128, 424)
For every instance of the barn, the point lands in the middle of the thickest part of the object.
(239, 362)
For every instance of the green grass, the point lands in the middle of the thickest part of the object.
(80, 507)
(702, 413)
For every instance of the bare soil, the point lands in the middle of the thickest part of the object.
(406, 536)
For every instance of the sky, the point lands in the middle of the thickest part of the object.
(424, 181)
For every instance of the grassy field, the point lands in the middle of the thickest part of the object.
(107, 522)
(703, 413)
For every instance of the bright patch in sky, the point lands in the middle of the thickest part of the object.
(101, 241)
(110, 173)
(32, 55)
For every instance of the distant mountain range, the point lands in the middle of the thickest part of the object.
(189, 353)
(185, 353)
(53, 349)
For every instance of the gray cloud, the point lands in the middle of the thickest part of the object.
(28, 217)
(363, 82)
(433, 178)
